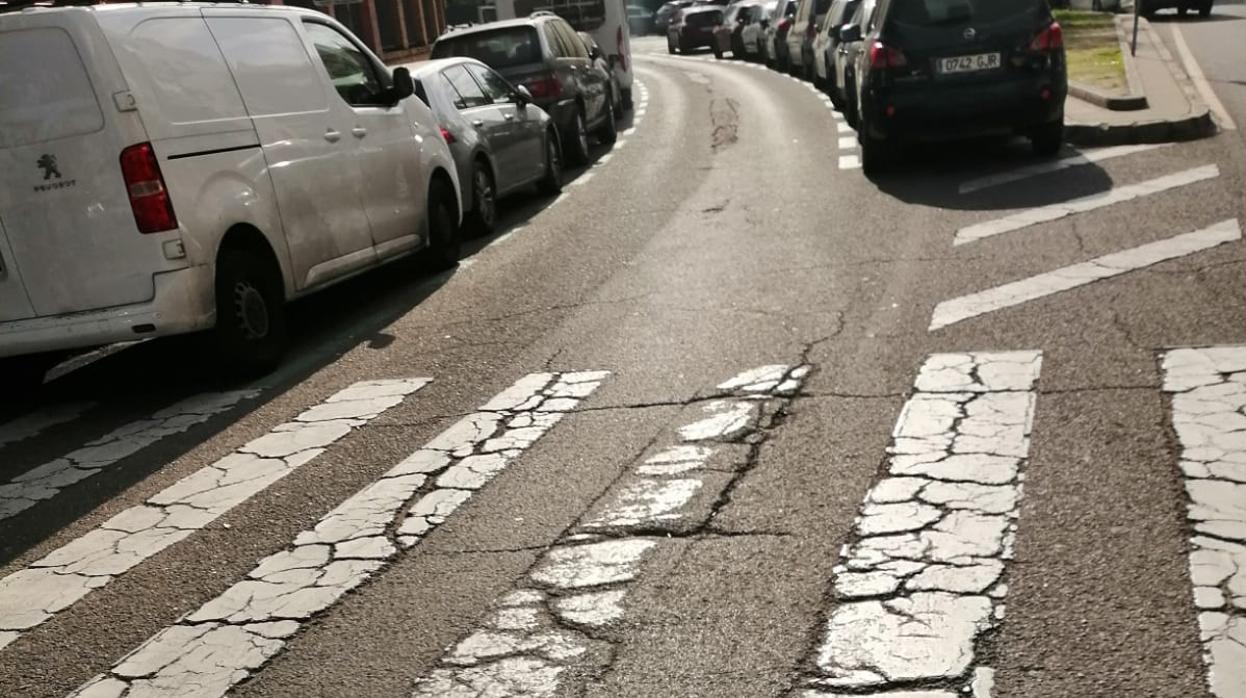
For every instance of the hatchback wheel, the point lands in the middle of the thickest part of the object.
(250, 334)
(552, 182)
(576, 146)
(1046, 139)
(670, 46)
(444, 244)
(484, 211)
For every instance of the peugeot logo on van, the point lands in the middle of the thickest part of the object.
(47, 163)
(970, 33)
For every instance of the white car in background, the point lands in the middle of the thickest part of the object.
(754, 33)
(173, 167)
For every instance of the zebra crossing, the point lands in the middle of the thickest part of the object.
(916, 600)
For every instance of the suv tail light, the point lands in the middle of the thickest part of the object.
(785, 23)
(153, 210)
(1049, 39)
(618, 41)
(544, 86)
(884, 57)
(811, 30)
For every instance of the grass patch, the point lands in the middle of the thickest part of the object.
(1093, 50)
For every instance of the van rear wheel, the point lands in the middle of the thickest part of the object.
(250, 334)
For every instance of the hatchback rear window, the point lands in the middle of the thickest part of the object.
(929, 13)
(45, 93)
(500, 48)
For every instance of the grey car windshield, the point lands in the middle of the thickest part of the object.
(500, 48)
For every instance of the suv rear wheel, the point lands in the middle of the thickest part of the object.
(250, 334)
(608, 132)
(1204, 10)
(576, 146)
(1046, 139)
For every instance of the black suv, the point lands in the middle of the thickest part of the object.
(544, 54)
(947, 69)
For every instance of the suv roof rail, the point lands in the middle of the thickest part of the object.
(543, 13)
(15, 5)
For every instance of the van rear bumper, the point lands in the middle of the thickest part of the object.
(184, 301)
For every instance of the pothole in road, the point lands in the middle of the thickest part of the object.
(725, 118)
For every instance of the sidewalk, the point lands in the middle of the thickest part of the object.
(1174, 109)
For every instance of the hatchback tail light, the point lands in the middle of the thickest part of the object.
(447, 136)
(1049, 39)
(884, 57)
(153, 210)
(544, 86)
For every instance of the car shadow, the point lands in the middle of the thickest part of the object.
(934, 174)
(1193, 18)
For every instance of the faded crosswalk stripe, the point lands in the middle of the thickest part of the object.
(47, 480)
(212, 649)
(534, 634)
(952, 311)
(33, 595)
(1117, 195)
(925, 577)
(1208, 387)
(35, 423)
(1083, 158)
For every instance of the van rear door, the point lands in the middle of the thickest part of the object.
(14, 303)
(63, 203)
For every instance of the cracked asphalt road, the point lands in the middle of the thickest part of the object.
(723, 495)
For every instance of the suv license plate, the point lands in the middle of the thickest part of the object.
(968, 64)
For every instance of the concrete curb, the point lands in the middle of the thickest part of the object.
(1129, 102)
(1188, 128)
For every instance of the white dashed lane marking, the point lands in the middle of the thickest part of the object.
(924, 578)
(31, 596)
(843, 128)
(1208, 388)
(31, 425)
(849, 162)
(47, 480)
(957, 309)
(532, 637)
(848, 143)
(211, 650)
(1084, 158)
(1044, 214)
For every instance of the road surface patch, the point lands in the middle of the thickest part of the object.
(1116, 195)
(1208, 389)
(212, 649)
(549, 624)
(47, 480)
(956, 310)
(925, 577)
(33, 595)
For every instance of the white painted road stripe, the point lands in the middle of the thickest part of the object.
(849, 162)
(842, 127)
(1209, 416)
(211, 650)
(46, 481)
(33, 424)
(1045, 214)
(1200, 81)
(1018, 292)
(1084, 158)
(33, 595)
(848, 143)
(924, 577)
(531, 636)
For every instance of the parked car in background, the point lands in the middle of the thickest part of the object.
(827, 42)
(501, 142)
(545, 55)
(693, 28)
(800, 36)
(944, 69)
(666, 13)
(844, 89)
(1148, 8)
(639, 20)
(147, 204)
(728, 34)
(776, 34)
(600, 62)
(754, 31)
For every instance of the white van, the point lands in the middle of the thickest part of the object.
(173, 167)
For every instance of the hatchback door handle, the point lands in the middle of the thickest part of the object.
(478, 123)
(509, 117)
(332, 136)
(359, 132)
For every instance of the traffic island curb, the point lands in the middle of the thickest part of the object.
(1188, 128)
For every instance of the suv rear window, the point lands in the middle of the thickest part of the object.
(499, 48)
(929, 13)
(704, 19)
(45, 93)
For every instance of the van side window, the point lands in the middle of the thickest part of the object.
(463, 88)
(270, 64)
(350, 70)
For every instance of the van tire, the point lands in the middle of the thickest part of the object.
(483, 216)
(444, 243)
(608, 132)
(551, 183)
(576, 145)
(250, 334)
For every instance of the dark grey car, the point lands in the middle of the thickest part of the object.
(500, 141)
(544, 54)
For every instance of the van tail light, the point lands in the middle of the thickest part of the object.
(885, 57)
(153, 210)
(544, 86)
(618, 40)
(447, 136)
(1049, 39)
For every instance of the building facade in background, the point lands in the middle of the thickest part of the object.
(396, 30)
